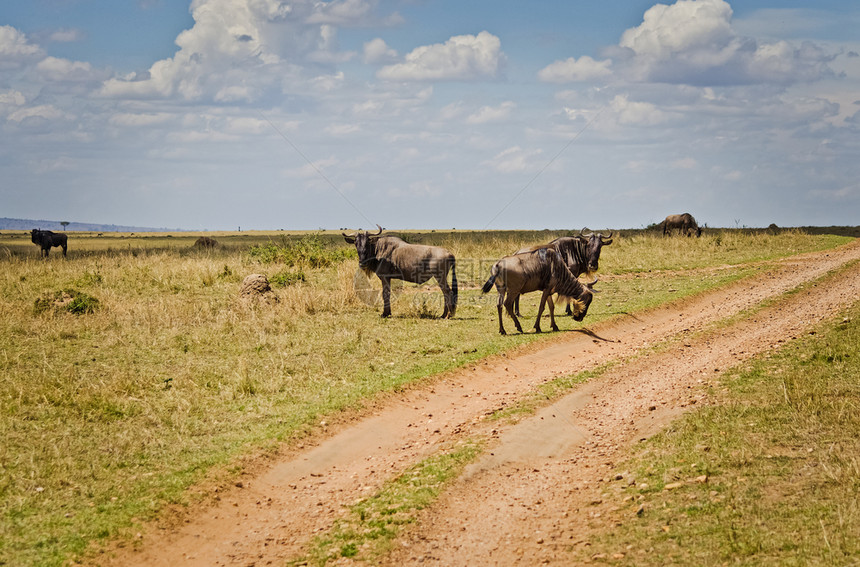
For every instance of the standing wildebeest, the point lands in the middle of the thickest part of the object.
(581, 254)
(685, 224)
(391, 258)
(45, 239)
(543, 270)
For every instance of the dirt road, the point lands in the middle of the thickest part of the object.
(526, 501)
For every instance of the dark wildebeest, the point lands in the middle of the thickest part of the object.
(581, 254)
(543, 270)
(205, 242)
(46, 239)
(390, 258)
(685, 224)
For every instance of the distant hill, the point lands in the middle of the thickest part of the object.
(27, 224)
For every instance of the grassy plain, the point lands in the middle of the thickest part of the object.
(110, 413)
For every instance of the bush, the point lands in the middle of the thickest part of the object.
(71, 300)
(309, 251)
(286, 278)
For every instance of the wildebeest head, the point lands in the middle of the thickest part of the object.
(594, 241)
(579, 305)
(35, 236)
(365, 245)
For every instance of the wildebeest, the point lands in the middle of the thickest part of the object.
(205, 242)
(390, 258)
(685, 223)
(544, 270)
(581, 254)
(46, 239)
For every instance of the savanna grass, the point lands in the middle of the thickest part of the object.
(779, 452)
(110, 414)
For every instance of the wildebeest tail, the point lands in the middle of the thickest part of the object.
(489, 285)
(454, 282)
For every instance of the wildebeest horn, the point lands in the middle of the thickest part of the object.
(350, 238)
(378, 233)
(606, 239)
(582, 232)
(590, 286)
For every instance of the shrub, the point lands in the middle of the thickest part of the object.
(71, 300)
(286, 278)
(308, 251)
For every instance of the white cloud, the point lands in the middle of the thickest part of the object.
(451, 112)
(326, 83)
(234, 93)
(463, 57)
(340, 12)
(684, 163)
(571, 70)
(377, 51)
(16, 50)
(341, 130)
(311, 171)
(242, 50)
(693, 42)
(635, 113)
(492, 113)
(513, 160)
(686, 25)
(66, 35)
(43, 112)
(637, 166)
(12, 98)
(58, 70)
(127, 119)
(415, 189)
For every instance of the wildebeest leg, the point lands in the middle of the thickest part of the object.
(551, 312)
(499, 308)
(543, 300)
(517, 306)
(386, 296)
(567, 309)
(509, 306)
(448, 295)
(65, 246)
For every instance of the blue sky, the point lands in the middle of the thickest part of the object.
(301, 114)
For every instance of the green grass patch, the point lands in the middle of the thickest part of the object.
(366, 533)
(68, 300)
(779, 451)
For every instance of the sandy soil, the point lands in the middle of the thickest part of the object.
(535, 494)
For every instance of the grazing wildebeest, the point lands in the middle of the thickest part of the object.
(543, 270)
(46, 239)
(581, 254)
(390, 258)
(685, 224)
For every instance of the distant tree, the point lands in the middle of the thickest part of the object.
(65, 223)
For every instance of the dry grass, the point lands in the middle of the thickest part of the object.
(106, 416)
